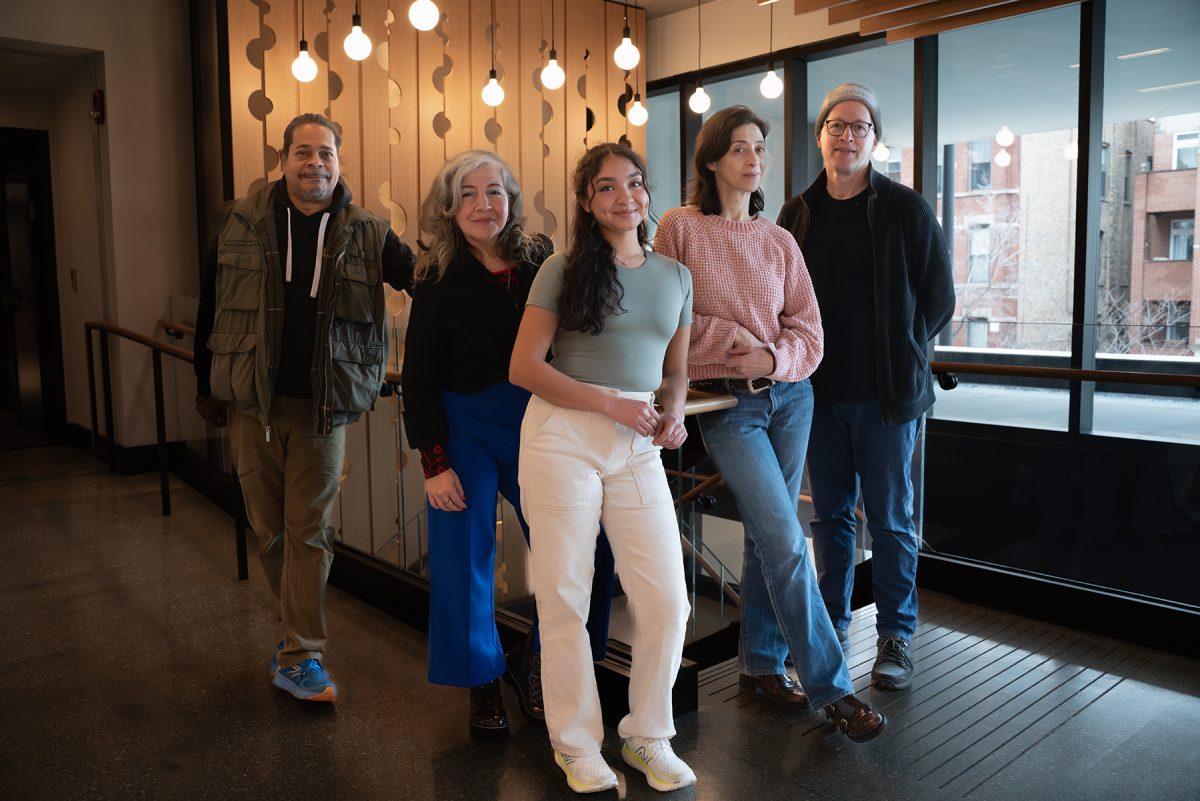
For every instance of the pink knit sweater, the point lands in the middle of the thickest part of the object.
(747, 273)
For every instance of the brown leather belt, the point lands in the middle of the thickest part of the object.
(731, 385)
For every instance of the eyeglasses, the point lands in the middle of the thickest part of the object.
(859, 129)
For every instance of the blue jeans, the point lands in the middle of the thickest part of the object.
(759, 446)
(848, 447)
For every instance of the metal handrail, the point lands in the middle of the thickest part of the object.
(1068, 374)
(157, 349)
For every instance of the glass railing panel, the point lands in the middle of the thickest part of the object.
(1002, 400)
(1114, 507)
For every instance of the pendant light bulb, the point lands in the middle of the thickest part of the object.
(881, 152)
(1003, 159)
(553, 76)
(357, 43)
(1005, 137)
(303, 67)
(637, 114)
(627, 55)
(493, 92)
(699, 101)
(424, 15)
(772, 85)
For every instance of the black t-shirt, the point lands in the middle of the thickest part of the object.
(839, 257)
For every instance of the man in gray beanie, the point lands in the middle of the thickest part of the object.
(884, 283)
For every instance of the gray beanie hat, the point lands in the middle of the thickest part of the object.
(850, 91)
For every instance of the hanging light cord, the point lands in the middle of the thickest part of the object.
(551, 24)
(699, 34)
(771, 36)
(493, 35)
(300, 5)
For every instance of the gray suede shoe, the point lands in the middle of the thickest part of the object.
(893, 668)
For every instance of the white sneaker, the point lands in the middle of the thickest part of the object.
(654, 757)
(588, 774)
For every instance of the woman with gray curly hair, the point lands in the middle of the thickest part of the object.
(463, 415)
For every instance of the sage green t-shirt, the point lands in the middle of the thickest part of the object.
(628, 353)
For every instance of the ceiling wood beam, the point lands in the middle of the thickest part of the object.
(926, 13)
(805, 6)
(993, 14)
(858, 9)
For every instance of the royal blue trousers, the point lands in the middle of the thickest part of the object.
(464, 644)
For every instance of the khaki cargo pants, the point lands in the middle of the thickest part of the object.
(289, 485)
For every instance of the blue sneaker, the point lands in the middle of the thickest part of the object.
(275, 658)
(307, 681)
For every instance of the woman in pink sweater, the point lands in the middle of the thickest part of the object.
(756, 332)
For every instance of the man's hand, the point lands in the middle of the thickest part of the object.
(212, 410)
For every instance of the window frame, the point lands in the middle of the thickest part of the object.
(1176, 149)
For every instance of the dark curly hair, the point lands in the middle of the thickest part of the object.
(591, 291)
(712, 143)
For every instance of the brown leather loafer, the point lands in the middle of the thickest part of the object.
(859, 721)
(525, 675)
(488, 717)
(778, 688)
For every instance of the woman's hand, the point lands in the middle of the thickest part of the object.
(670, 432)
(445, 492)
(641, 416)
(742, 338)
(750, 362)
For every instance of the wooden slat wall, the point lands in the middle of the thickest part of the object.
(387, 106)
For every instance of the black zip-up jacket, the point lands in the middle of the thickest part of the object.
(914, 288)
(461, 332)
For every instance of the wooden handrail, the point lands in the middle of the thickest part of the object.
(170, 327)
(171, 350)
(1068, 374)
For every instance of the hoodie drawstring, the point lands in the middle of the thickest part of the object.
(320, 252)
(287, 270)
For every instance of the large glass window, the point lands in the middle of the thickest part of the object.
(1010, 213)
(981, 164)
(1148, 277)
(979, 246)
(1181, 240)
(662, 152)
(888, 71)
(1184, 151)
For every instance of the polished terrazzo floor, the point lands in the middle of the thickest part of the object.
(136, 668)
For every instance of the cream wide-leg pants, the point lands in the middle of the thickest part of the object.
(577, 470)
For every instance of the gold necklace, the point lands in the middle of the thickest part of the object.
(625, 261)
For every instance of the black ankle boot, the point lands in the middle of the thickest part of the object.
(488, 718)
(525, 675)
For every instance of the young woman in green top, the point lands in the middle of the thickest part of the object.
(617, 319)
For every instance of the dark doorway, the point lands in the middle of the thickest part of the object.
(33, 400)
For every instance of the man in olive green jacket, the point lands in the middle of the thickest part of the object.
(290, 346)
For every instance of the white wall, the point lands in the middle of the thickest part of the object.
(80, 225)
(732, 30)
(146, 187)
